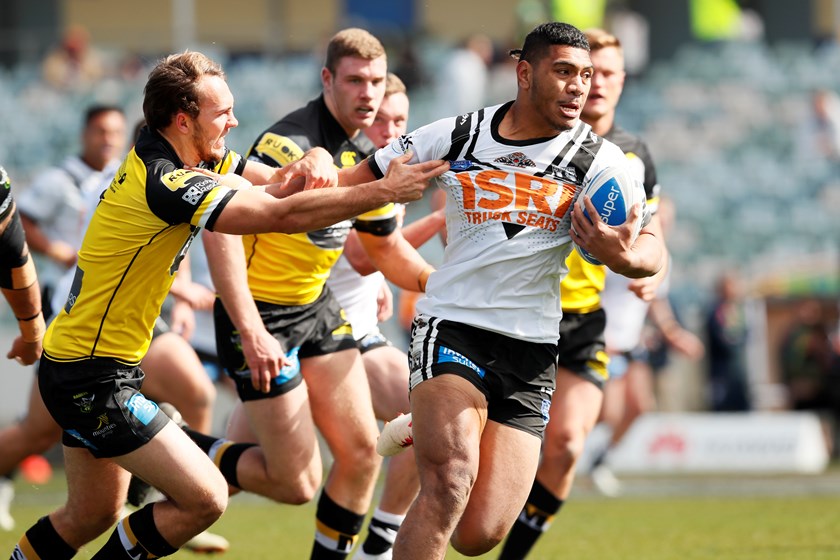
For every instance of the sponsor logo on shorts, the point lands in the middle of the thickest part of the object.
(544, 409)
(79, 437)
(291, 371)
(447, 355)
(105, 426)
(142, 408)
(84, 402)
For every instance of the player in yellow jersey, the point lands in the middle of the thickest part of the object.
(288, 314)
(582, 357)
(144, 223)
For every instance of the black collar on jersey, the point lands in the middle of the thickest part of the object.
(332, 131)
(497, 120)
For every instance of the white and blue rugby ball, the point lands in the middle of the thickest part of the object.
(613, 191)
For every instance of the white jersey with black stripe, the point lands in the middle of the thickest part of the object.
(508, 213)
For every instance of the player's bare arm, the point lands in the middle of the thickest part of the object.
(615, 245)
(397, 260)
(257, 212)
(645, 288)
(263, 353)
(20, 287)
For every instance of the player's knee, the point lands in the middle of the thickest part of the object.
(361, 459)
(470, 543)
(210, 502)
(451, 485)
(40, 439)
(293, 490)
(564, 446)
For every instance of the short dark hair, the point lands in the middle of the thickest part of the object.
(95, 110)
(543, 36)
(173, 87)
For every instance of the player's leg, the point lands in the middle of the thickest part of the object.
(449, 415)
(575, 407)
(509, 458)
(174, 374)
(196, 492)
(286, 466)
(638, 398)
(34, 433)
(341, 407)
(95, 493)
(387, 372)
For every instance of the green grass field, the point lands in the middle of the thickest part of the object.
(769, 518)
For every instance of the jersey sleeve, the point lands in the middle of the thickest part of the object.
(231, 163)
(179, 196)
(277, 150)
(379, 222)
(650, 181)
(427, 143)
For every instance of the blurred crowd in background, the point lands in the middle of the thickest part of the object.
(737, 101)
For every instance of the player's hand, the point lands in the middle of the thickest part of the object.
(265, 358)
(25, 353)
(231, 180)
(182, 319)
(62, 253)
(609, 244)
(384, 303)
(316, 169)
(408, 181)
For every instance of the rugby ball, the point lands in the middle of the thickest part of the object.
(613, 191)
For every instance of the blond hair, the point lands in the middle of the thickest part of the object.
(352, 42)
(393, 84)
(601, 39)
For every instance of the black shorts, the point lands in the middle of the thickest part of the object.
(516, 377)
(372, 340)
(581, 349)
(98, 404)
(304, 331)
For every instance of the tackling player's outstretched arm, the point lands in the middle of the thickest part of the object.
(254, 212)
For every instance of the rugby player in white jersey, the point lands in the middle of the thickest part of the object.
(484, 342)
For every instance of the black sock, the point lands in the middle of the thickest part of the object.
(204, 441)
(227, 457)
(534, 520)
(336, 530)
(140, 533)
(42, 541)
(382, 532)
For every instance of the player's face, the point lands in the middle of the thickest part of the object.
(215, 119)
(607, 83)
(355, 91)
(103, 139)
(559, 82)
(391, 120)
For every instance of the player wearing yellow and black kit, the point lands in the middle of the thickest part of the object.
(289, 311)
(582, 357)
(143, 224)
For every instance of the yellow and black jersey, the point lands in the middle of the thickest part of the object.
(142, 227)
(580, 290)
(291, 269)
